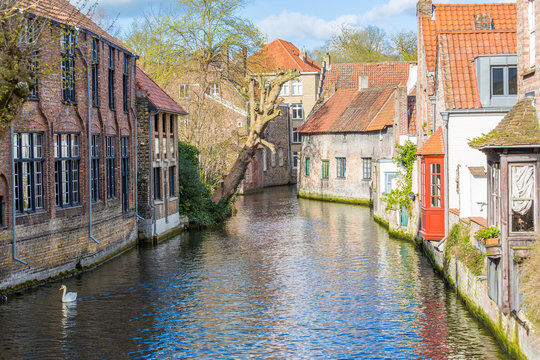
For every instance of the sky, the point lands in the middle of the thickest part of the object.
(305, 23)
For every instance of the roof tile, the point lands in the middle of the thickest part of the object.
(434, 145)
(345, 76)
(157, 96)
(283, 55)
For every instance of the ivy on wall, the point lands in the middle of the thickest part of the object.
(405, 158)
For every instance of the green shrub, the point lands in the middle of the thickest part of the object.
(194, 195)
(459, 245)
(487, 233)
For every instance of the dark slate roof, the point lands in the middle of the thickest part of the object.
(518, 127)
(159, 98)
(353, 111)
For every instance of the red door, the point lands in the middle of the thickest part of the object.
(432, 220)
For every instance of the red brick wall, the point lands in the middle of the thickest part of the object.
(527, 77)
(54, 239)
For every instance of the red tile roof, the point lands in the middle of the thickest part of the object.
(457, 51)
(345, 76)
(280, 54)
(434, 145)
(353, 111)
(455, 17)
(159, 98)
(63, 12)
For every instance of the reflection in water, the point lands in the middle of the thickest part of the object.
(285, 278)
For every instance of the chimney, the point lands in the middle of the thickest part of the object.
(483, 22)
(326, 61)
(303, 55)
(424, 7)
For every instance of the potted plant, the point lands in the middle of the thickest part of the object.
(489, 236)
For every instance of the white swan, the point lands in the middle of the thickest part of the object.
(69, 297)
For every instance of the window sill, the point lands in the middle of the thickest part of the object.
(367, 179)
(158, 202)
(30, 213)
(69, 103)
(528, 72)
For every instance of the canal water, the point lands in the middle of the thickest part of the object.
(284, 279)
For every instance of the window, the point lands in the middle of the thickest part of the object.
(388, 177)
(264, 156)
(522, 198)
(95, 72)
(94, 168)
(495, 194)
(435, 192)
(280, 157)
(294, 159)
(295, 136)
(273, 159)
(307, 167)
(532, 33)
(184, 91)
(157, 183)
(213, 90)
(284, 89)
(28, 156)
(325, 168)
(124, 149)
(66, 169)
(110, 154)
(341, 166)
(296, 87)
(297, 112)
(68, 66)
(503, 81)
(111, 78)
(366, 164)
(172, 189)
(34, 67)
(125, 84)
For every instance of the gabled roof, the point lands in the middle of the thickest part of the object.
(456, 17)
(353, 111)
(157, 97)
(457, 51)
(518, 127)
(63, 12)
(280, 54)
(434, 145)
(345, 76)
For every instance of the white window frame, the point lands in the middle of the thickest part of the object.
(296, 87)
(295, 159)
(295, 136)
(284, 89)
(295, 110)
(510, 199)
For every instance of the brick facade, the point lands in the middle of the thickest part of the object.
(276, 169)
(52, 239)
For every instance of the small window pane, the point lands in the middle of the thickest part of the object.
(512, 81)
(497, 81)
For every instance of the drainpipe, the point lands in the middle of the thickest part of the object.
(13, 197)
(89, 99)
(135, 138)
(151, 158)
(446, 192)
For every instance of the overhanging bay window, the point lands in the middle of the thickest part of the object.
(28, 156)
(66, 169)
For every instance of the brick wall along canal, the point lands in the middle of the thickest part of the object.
(285, 278)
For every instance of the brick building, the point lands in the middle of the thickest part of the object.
(513, 171)
(269, 168)
(157, 164)
(343, 139)
(300, 95)
(467, 82)
(67, 170)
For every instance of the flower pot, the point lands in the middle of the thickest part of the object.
(492, 241)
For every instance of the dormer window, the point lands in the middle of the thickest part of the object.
(503, 80)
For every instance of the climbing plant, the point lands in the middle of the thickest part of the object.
(406, 155)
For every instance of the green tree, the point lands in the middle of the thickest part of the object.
(353, 44)
(191, 44)
(404, 44)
